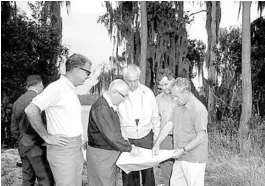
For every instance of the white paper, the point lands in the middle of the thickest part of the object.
(146, 160)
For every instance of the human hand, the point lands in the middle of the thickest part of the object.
(178, 152)
(135, 151)
(58, 139)
(155, 149)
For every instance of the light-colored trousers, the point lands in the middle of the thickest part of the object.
(166, 166)
(67, 162)
(101, 167)
(187, 174)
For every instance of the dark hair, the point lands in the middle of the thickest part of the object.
(33, 80)
(76, 60)
(166, 72)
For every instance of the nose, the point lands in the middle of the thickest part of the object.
(134, 83)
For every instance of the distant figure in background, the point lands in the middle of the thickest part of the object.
(189, 124)
(64, 135)
(140, 122)
(32, 153)
(105, 142)
(166, 105)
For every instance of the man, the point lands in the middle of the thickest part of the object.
(189, 124)
(104, 136)
(64, 127)
(140, 121)
(32, 153)
(165, 107)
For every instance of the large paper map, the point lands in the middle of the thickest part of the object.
(129, 163)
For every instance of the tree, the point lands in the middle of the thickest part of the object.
(212, 27)
(143, 41)
(27, 49)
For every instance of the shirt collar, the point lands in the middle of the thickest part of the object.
(67, 81)
(189, 104)
(32, 89)
(139, 89)
(107, 98)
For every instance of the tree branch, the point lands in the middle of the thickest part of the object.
(197, 12)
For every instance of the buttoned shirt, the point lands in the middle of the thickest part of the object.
(62, 108)
(149, 119)
(188, 120)
(165, 108)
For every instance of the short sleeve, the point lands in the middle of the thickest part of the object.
(201, 119)
(48, 97)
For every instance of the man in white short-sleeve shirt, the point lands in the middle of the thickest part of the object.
(64, 127)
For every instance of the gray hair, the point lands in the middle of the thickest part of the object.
(131, 69)
(182, 83)
(76, 60)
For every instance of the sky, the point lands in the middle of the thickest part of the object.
(82, 34)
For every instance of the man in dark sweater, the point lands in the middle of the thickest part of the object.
(105, 141)
(31, 151)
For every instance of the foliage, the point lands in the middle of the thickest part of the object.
(167, 36)
(227, 165)
(258, 64)
(27, 48)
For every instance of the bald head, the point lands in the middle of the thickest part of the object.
(118, 85)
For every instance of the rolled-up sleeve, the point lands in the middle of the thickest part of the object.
(111, 132)
(47, 97)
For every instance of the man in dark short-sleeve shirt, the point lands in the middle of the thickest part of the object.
(105, 142)
(189, 123)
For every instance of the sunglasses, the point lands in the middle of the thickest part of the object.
(87, 71)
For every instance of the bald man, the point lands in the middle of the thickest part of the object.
(105, 142)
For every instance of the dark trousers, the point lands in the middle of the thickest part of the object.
(36, 167)
(133, 178)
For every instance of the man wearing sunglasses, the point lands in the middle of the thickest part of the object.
(105, 142)
(64, 132)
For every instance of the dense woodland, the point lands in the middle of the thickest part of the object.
(156, 39)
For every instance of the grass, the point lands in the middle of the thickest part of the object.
(228, 165)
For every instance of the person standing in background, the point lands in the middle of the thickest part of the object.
(32, 152)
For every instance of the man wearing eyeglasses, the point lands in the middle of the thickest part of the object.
(64, 132)
(140, 121)
(105, 142)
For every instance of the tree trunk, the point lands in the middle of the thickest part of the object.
(246, 71)
(143, 41)
(212, 25)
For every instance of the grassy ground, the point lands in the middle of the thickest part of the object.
(226, 166)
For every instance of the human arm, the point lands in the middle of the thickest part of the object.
(200, 137)
(110, 129)
(35, 119)
(200, 121)
(155, 117)
(164, 132)
(14, 126)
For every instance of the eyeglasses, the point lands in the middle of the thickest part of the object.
(123, 96)
(132, 81)
(87, 71)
